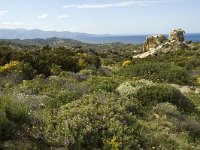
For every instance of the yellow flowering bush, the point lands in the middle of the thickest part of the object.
(16, 71)
(82, 63)
(9, 67)
(55, 69)
(86, 60)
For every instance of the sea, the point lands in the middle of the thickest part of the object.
(137, 39)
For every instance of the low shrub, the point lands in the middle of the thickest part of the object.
(164, 93)
(55, 69)
(131, 87)
(16, 71)
(192, 64)
(98, 121)
(61, 98)
(33, 87)
(195, 98)
(158, 72)
(13, 115)
(97, 83)
(165, 108)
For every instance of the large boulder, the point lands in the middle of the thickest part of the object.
(158, 43)
(153, 42)
(176, 38)
(176, 35)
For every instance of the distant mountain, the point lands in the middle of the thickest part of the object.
(36, 33)
(49, 41)
(39, 36)
(21, 36)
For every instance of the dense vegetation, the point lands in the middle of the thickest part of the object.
(86, 97)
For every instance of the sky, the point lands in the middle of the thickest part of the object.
(119, 17)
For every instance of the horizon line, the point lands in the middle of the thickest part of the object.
(104, 34)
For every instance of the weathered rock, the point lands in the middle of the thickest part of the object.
(153, 42)
(176, 40)
(146, 54)
(158, 43)
(176, 35)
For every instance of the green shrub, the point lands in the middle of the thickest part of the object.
(13, 115)
(191, 126)
(49, 61)
(164, 93)
(33, 87)
(130, 88)
(195, 98)
(192, 64)
(97, 83)
(4, 125)
(181, 122)
(87, 72)
(104, 71)
(158, 72)
(21, 144)
(96, 121)
(16, 71)
(62, 98)
(55, 69)
(165, 108)
(87, 59)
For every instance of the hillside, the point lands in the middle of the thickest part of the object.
(65, 94)
(54, 42)
(36, 33)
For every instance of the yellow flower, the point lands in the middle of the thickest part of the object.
(9, 66)
(112, 143)
(198, 80)
(25, 83)
(126, 63)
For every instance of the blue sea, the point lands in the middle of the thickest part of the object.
(137, 39)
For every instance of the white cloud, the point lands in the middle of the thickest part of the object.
(72, 29)
(90, 6)
(16, 23)
(120, 4)
(43, 16)
(2, 13)
(63, 16)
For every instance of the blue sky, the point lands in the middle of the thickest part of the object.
(102, 16)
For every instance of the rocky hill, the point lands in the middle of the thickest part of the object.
(160, 44)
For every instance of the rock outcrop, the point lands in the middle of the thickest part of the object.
(176, 35)
(153, 42)
(159, 43)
